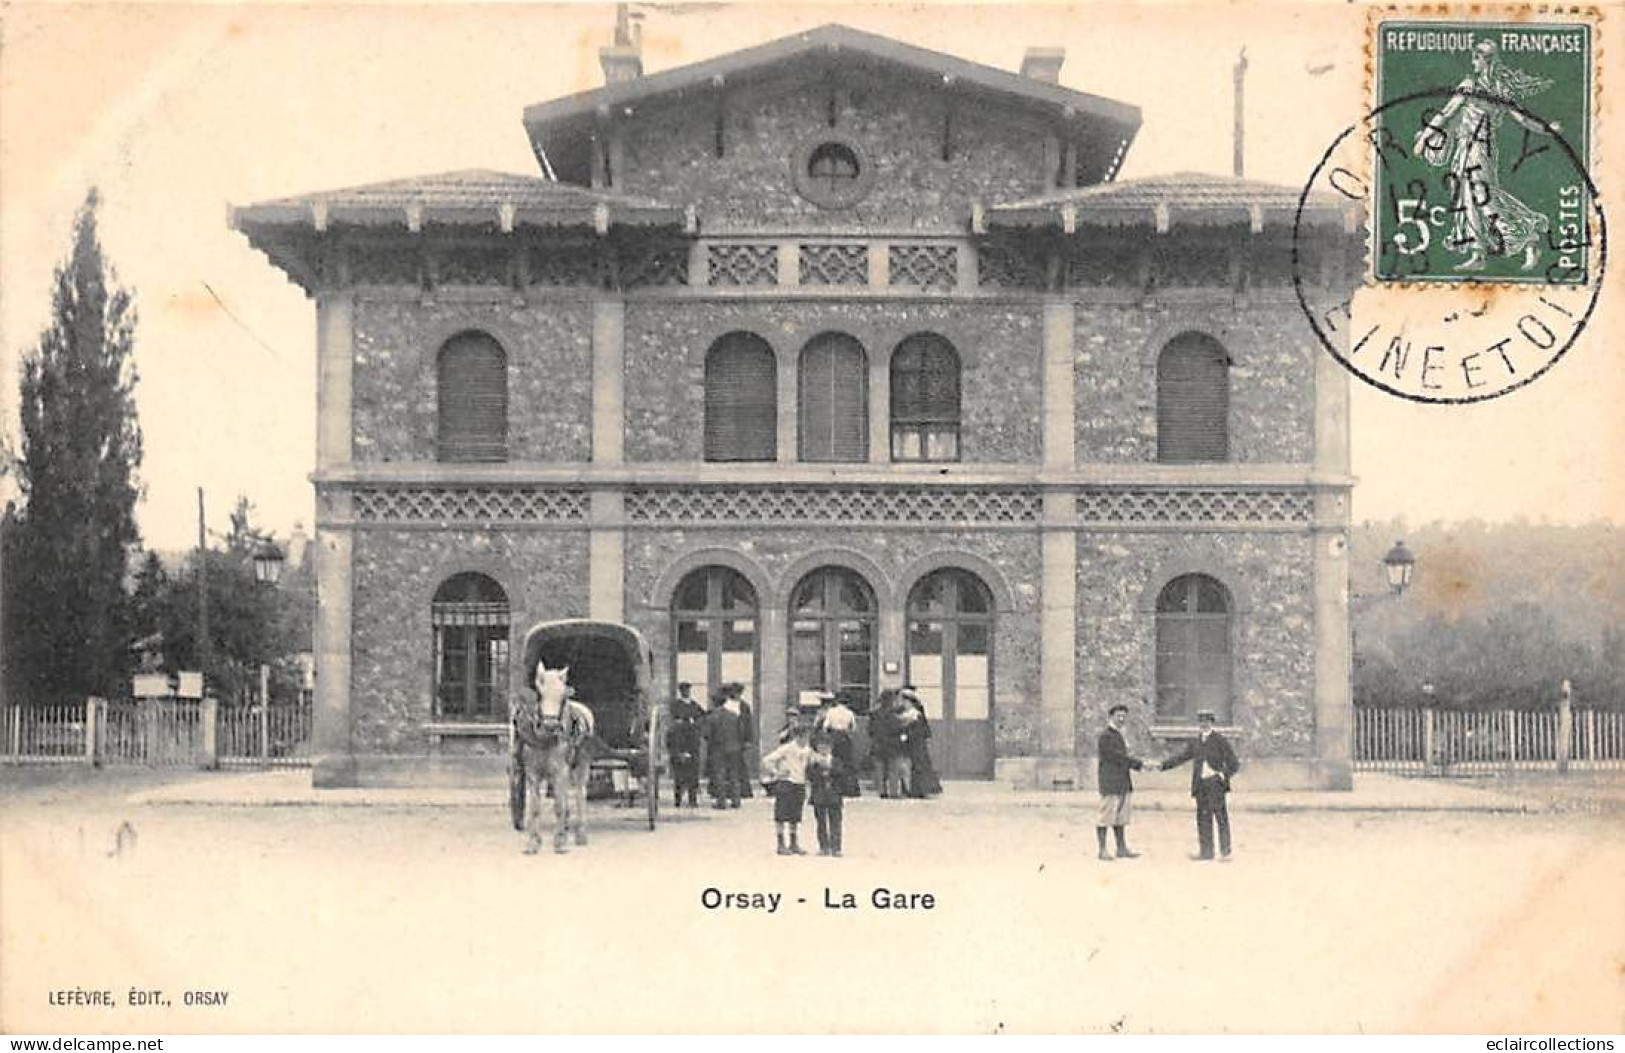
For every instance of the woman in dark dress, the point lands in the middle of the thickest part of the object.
(923, 781)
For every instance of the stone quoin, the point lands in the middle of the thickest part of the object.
(829, 364)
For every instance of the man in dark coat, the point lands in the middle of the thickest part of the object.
(1115, 783)
(1213, 765)
(683, 747)
(725, 744)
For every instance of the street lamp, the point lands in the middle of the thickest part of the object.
(1399, 565)
(268, 561)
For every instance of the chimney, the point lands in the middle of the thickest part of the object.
(1043, 64)
(623, 60)
(1240, 143)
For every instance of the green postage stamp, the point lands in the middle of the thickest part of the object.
(1481, 153)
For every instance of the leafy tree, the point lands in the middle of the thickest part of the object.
(67, 617)
(250, 623)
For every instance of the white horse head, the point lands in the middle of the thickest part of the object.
(551, 688)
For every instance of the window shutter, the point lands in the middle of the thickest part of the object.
(834, 400)
(1193, 401)
(473, 395)
(741, 400)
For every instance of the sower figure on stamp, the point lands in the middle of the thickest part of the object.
(1463, 137)
(1213, 764)
(1115, 783)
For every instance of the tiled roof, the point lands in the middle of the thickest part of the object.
(1178, 197)
(472, 195)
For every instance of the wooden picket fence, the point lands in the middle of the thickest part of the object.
(160, 734)
(1458, 742)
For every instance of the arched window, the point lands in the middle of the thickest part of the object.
(472, 376)
(834, 413)
(741, 400)
(1193, 400)
(925, 400)
(950, 664)
(1193, 648)
(832, 636)
(713, 628)
(470, 619)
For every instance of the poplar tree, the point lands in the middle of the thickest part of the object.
(68, 618)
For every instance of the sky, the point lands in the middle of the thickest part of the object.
(176, 112)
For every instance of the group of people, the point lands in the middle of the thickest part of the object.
(815, 760)
(722, 736)
(1213, 764)
(900, 745)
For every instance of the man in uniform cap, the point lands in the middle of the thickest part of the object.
(1213, 764)
(1115, 783)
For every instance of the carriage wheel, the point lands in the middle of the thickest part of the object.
(516, 792)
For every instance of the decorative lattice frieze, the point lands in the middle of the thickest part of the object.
(1194, 506)
(841, 264)
(743, 264)
(1009, 266)
(1191, 265)
(655, 267)
(468, 504)
(926, 266)
(473, 266)
(387, 265)
(801, 504)
(1115, 267)
(562, 268)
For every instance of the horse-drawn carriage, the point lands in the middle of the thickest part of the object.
(599, 667)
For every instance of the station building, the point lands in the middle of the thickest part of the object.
(829, 364)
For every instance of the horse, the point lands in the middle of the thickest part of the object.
(553, 743)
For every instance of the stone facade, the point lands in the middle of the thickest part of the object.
(992, 154)
(1269, 576)
(1272, 379)
(999, 350)
(967, 217)
(548, 342)
(396, 575)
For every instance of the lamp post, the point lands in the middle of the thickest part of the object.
(267, 571)
(268, 559)
(1398, 566)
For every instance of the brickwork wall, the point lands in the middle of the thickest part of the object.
(1000, 348)
(997, 155)
(1271, 578)
(397, 572)
(1272, 393)
(549, 347)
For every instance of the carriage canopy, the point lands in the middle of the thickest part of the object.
(609, 670)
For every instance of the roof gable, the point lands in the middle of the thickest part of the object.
(564, 129)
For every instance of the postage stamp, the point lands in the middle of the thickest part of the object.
(1486, 239)
(1483, 140)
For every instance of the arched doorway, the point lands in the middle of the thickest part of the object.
(950, 664)
(713, 632)
(832, 636)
